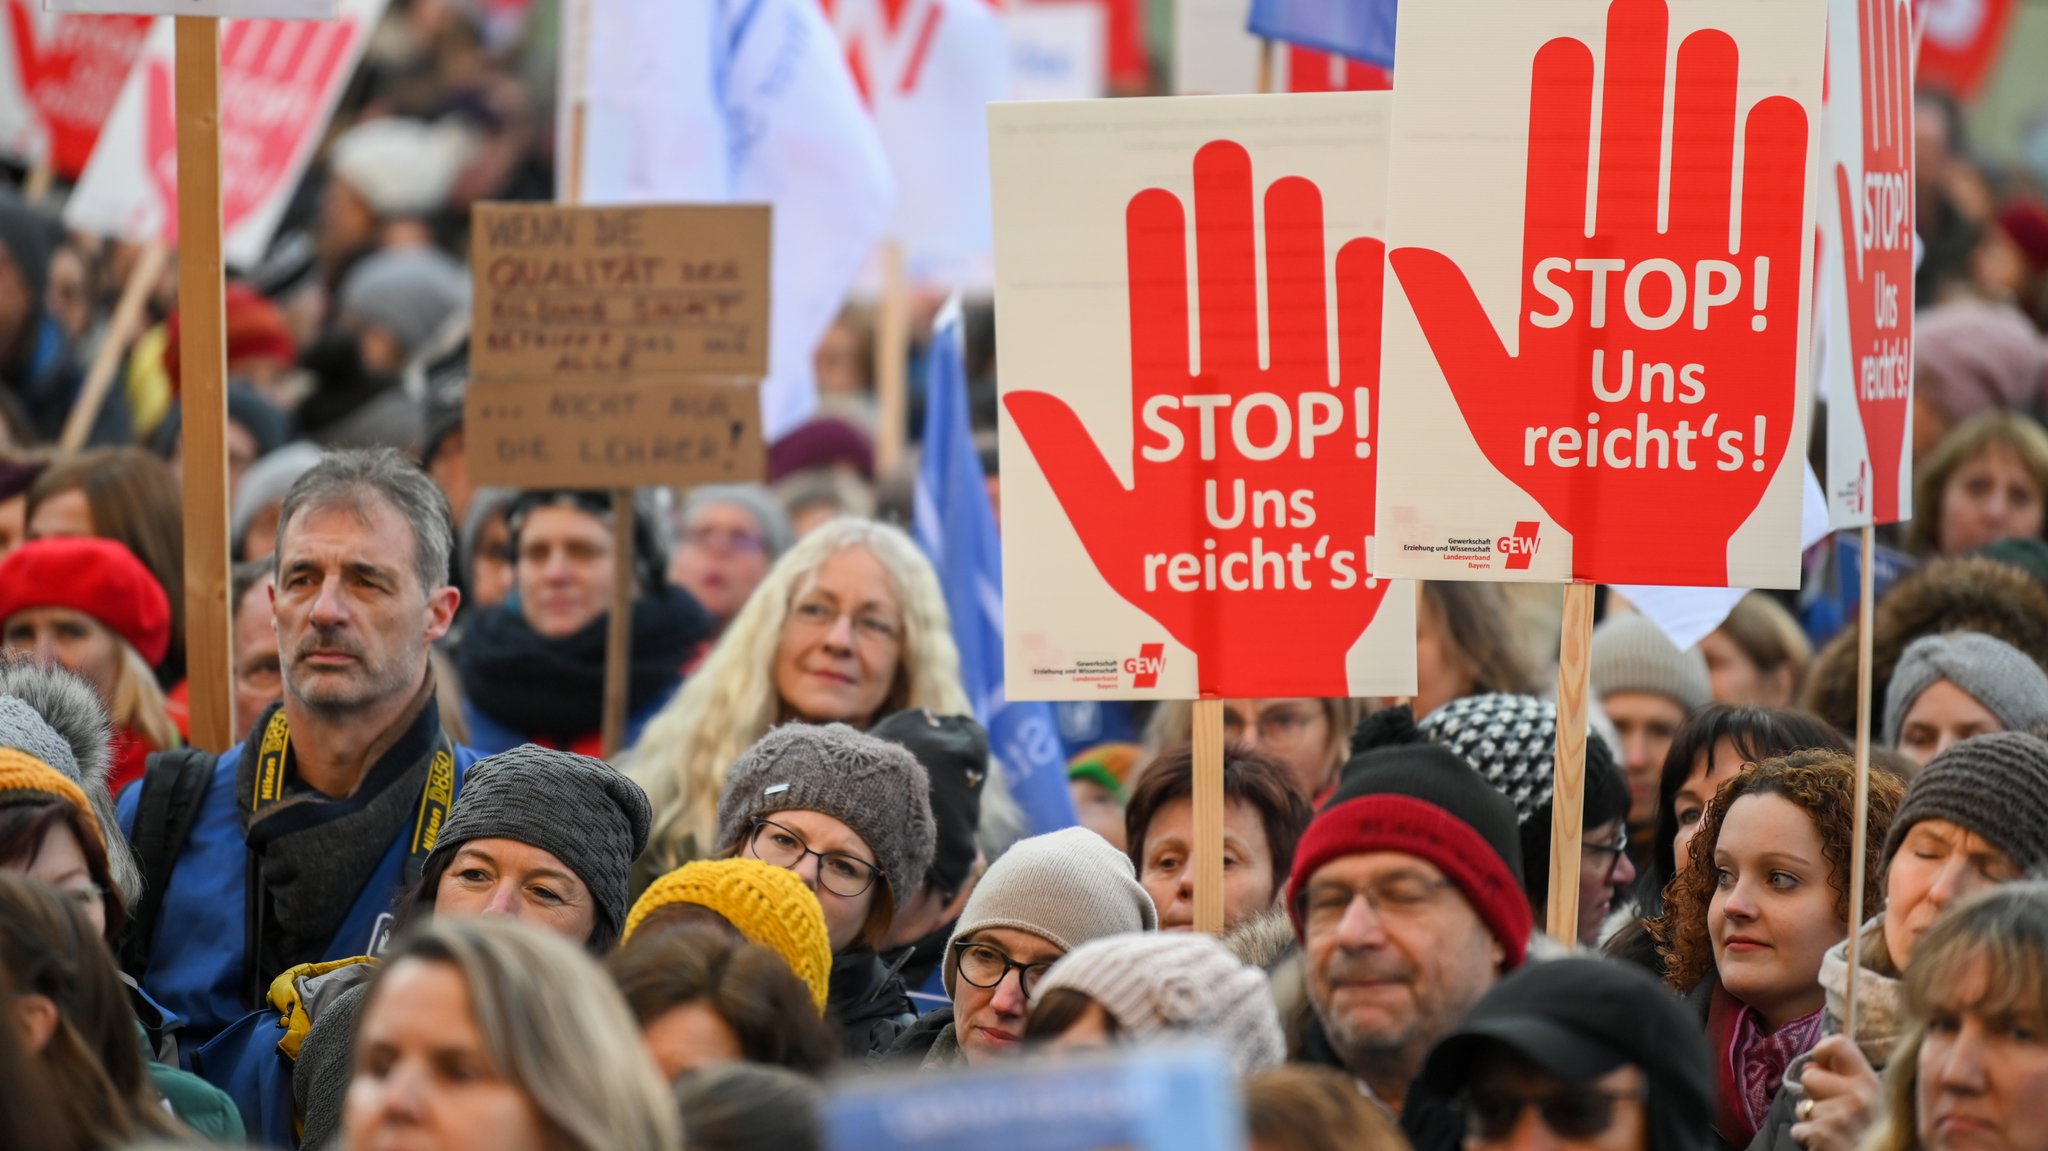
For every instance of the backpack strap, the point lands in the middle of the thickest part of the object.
(173, 787)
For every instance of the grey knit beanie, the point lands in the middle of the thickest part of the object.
(583, 811)
(1995, 785)
(24, 729)
(1160, 985)
(1066, 887)
(875, 787)
(1632, 654)
(1994, 673)
(754, 499)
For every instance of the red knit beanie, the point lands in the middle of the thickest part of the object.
(1413, 827)
(98, 577)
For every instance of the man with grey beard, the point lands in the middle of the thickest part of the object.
(1407, 895)
(288, 848)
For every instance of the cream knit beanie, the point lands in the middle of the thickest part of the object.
(1066, 887)
(1166, 985)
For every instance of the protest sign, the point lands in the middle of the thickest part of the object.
(1867, 261)
(595, 332)
(1616, 395)
(227, 9)
(59, 77)
(1058, 51)
(279, 84)
(1130, 1099)
(1962, 42)
(1183, 524)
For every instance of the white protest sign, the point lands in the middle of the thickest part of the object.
(1058, 51)
(1181, 522)
(1595, 341)
(226, 9)
(1866, 224)
(279, 85)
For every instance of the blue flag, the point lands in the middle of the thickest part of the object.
(1359, 29)
(956, 526)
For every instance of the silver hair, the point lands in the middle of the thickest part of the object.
(342, 479)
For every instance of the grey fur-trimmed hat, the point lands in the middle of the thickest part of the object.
(875, 787)
(1991, 671)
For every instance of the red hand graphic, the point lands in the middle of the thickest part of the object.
(1289, 635)
(274, 77)
(1877, 254)
(1650, 487)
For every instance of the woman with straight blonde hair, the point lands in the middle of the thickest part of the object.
(1971, 1068)
(848, 626)
(484, 1032)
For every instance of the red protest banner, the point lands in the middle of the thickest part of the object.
(1868, 241)
(66, 71)
(1217, 496)
(1962, 42)
(1642, 400)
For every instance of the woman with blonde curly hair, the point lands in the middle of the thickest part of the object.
(1970, 1069)
(1763, 896)
(848, 626)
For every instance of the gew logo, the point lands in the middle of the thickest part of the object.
(1520, 548)
(1145, 667)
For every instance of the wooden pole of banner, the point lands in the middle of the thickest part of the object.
(892, 360)
(1265, 66)
(202, 366)
(122, 329)
(1568, 797)
(1860, 841)
(41, 177)
(1208, 802)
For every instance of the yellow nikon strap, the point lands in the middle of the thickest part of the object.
(435, 798)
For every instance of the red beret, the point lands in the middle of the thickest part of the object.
(98, 577)
(255, 327)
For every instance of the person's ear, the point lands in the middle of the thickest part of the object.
(37, 1015)
(441, 605)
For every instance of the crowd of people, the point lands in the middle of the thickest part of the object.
(416, 904)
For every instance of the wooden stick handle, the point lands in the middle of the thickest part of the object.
(1860, 841)
(1568, 796)
(122, 329)
(892, 360)
(202, 370)
(618, 647)
(1208, 813)
(1265, 66)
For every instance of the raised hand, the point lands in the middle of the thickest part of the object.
(1877, 245)
(1650, 394)
(273, 75)
(1244, 527)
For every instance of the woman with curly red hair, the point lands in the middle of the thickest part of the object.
(1763, 895)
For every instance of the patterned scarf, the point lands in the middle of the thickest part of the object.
(1752, 1063)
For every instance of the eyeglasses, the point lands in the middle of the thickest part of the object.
(1397, 897)
(1573, 1112)
(985, 967)
(1608, 852)
(846, 876)
(868, 627)
(719, 539)
(1280, 727)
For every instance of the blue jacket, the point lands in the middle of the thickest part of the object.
(196, 959)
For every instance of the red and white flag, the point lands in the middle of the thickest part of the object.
(280, 81)
(927, 70)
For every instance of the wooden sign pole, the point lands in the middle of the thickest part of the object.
(1265, 66)
(202, 366)
(1860, 840)
(122, 329)
(1568, 796)
(892, 361)
(1208, 815)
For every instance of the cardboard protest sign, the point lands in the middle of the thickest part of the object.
(600, 336)
(59, 77)
(1182, 520)
(1128, 1099)
(1867, 261)
(279, 84)
(229, 9)
(1600, 375)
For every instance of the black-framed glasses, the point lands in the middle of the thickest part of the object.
(1609, 852)
(986, 967)
(847, 876)
(1572, 1111)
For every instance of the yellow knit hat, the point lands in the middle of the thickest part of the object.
(22, 772)
(768, 905)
